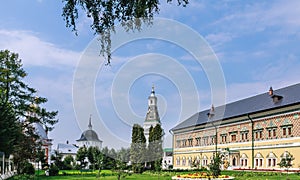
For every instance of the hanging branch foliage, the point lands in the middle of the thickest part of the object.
(106, 13)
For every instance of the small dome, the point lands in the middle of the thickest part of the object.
(89, 135)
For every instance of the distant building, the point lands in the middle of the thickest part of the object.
(167, 161)
(152, 116)
(89, 138)
(256, 132)
(67, 149)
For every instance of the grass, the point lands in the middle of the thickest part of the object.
(109, 175)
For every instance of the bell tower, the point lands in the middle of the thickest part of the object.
(152, 116)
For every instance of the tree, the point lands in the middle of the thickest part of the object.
(155, 147)
(10, 130)
(286, 161)
(92, 154)
(68, 162)
(106, 13)
(20, 108)
(57, 159)
(137, 148)
(121, 160)
(81, 156)
(215, 166)
(108, 158)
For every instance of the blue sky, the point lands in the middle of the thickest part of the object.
(256, 44)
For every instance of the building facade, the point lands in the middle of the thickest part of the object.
(257, 132)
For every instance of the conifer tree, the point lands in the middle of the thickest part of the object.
(137, 148)
(18, 103)
(155, 147)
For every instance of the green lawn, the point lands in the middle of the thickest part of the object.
(107, 175)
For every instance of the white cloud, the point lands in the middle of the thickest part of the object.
(34, 51)
(219, 39)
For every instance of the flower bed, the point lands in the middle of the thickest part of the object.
(200, 176)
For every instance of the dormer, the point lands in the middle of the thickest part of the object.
(276, 98)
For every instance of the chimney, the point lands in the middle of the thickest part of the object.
(271, 91)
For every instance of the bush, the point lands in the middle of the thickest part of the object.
(53, 171)
(27, 168)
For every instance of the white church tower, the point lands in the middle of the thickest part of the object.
(152, 116)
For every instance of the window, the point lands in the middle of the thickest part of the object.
(198, 141)
(205, 141)
(223, 138)
(289, 131)
(178, 143)
(184, 142)
(190, 142)
(258, 134)
(244, 160)
(189, 161)
(258, 159)
(274, 132)
(260, 162)
(183, 161)
(178, 161)
(244, 135)
(205, 162)
(272, 162)
(233, 137)
(213, 140)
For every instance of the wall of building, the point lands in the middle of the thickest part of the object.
(274, 134)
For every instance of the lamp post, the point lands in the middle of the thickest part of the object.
(252, 139)
(210, 116)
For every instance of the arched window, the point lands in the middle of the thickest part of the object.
(189, 161)
(183, 161)
(178, 161)
(244, 160)
(258, 160)
(204, 160)
(271, 160)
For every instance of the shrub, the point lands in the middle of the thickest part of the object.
(27, 168)
(53, 171)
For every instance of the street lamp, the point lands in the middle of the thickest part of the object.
(210, 116)
(252, 139)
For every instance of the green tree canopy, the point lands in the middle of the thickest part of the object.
(106, 13)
